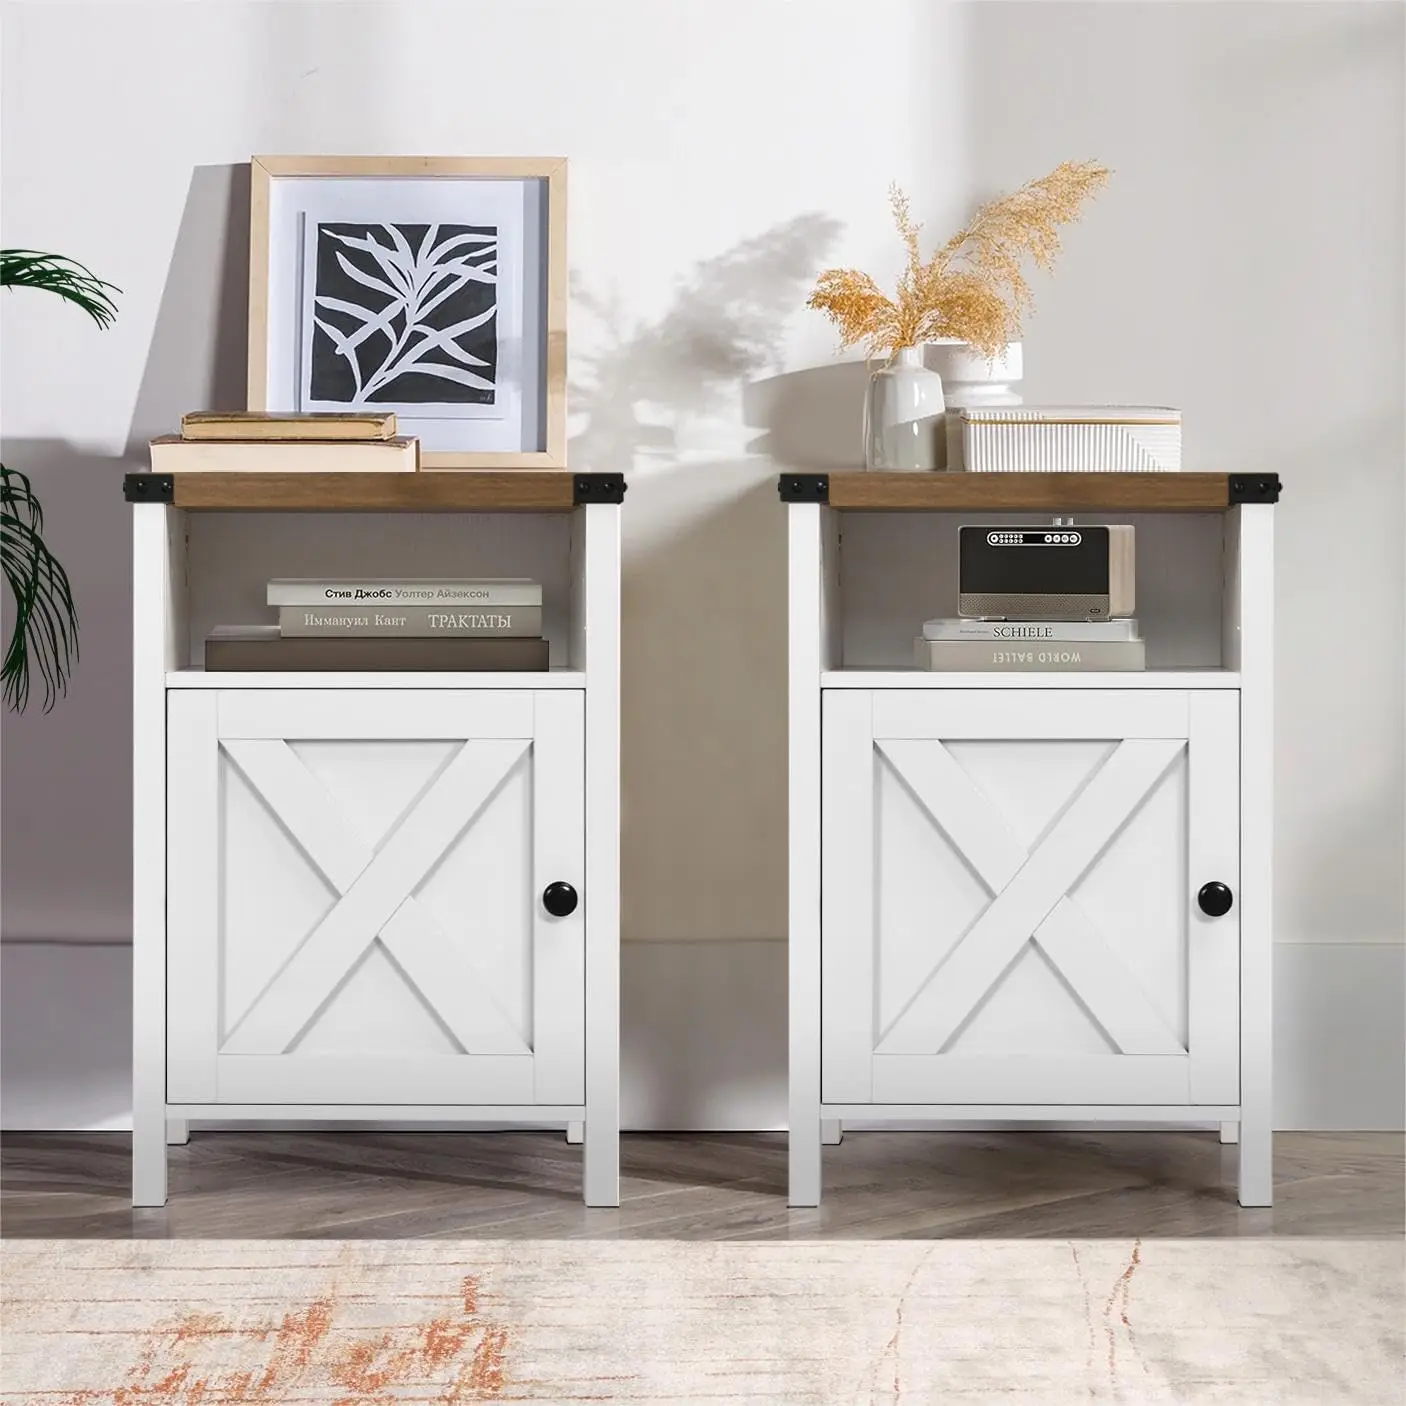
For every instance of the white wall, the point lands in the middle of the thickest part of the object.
(1245, 263)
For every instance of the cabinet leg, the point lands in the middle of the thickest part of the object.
(575, 1133)
(600, 1159)
(177, 1132)
(1230, 1132)
(831, 1132)
(804, 1158)
(148, 1161)
(1256, 1162)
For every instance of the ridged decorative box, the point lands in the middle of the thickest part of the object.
(1070, 439)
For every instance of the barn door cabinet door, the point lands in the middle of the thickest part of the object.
(1010, 903)
(355, 897)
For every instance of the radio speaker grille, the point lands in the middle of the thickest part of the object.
(1040, 606)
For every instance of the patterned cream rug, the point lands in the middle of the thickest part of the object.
(204, 1323)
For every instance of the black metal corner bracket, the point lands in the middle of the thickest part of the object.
(1254, 488)
(804, 488)
(598, 488)
(149, 488)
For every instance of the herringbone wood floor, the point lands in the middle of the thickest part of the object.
(879, 1185)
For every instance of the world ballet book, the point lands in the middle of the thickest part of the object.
(1030, 656)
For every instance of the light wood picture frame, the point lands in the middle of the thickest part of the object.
(489, 228)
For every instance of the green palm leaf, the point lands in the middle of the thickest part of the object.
(45, 632)
(44, 638)
(53, 273)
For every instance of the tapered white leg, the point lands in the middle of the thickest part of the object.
(575, 1133)
(177, 1132)
(830, 1132)
(148, 1162)
(600, 1157)
(804, 1187)
(1256, 1162)
(1230, 1132)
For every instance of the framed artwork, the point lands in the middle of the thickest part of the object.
(432, 286)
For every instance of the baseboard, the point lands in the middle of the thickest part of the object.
(703, 1044)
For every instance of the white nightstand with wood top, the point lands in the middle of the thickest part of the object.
(375, 896)
(1026, 896)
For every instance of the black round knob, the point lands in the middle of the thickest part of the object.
(559, 899)
(1215, 899)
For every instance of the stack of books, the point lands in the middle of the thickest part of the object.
(1033, 646)
(244, 442)
(462, 625)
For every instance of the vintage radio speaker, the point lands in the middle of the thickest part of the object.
(1054, 572)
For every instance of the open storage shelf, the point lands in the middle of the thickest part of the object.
(222, 561)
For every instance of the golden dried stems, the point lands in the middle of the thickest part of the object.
(973, 288)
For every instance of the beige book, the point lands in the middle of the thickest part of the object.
(170, 454)
(263, 424)
(259, 648)
(1030, 656)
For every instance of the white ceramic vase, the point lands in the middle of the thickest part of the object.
(970, 380)
(904, 427)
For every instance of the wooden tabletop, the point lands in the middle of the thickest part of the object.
(444, 490)
(856, 490)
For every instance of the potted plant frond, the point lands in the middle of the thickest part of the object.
(967, 297)
(44, 632)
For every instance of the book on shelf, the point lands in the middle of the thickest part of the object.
(170, 454)
(954, 628)
(413, 621)
(1030, 656)
(258, 648)
(405, 590)
(264, 424)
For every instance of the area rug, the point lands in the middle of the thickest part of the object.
(205, 1323)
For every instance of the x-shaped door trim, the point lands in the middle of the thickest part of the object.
(376, 897)
(1030, 898)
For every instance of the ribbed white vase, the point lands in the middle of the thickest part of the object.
(970, 380)
(904, 428)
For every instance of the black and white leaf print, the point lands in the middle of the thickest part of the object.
(405, 313)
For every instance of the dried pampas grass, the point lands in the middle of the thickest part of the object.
(973, 288)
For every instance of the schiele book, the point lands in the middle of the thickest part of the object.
(170, 454)
(953, 628)
(264, 424)
(415, 621)
(1030, 656)
(261, 648)
(383, 591)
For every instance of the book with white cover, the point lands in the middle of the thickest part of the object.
(371, 590)
(170, 454)
(1069, 439)
(957, 628)
(1029, 656)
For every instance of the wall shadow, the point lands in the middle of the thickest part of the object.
(640, 387)
(197, 359)
(65, 819)
(813, 418)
